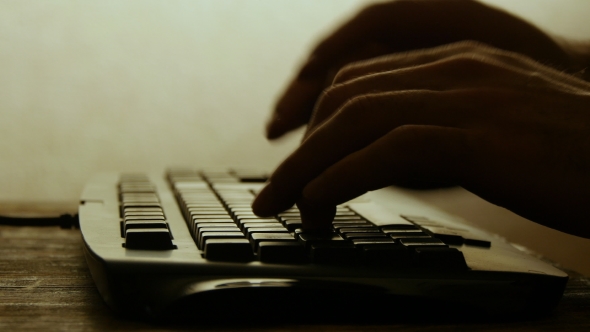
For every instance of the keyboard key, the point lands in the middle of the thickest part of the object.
(266, 230)
(397, 231)
(136, 214)
(148, 239)
(446, 235)
(386, 254)
(364, 235)
(213, 225)
(140, 205)
(206, 235)
(355, 217)
(363, 241)
(292, 225)
(234, 249)
(281, 252)
(422, 242)
(365, 229)
(256, 238)
(308, 239)
(146, 209)
(338, 226)
(345, 213)
(477, 242)
(144, 217)
(247, 225)
(337, 252)
(145, 224)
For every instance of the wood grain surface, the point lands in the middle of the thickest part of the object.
(46, 286)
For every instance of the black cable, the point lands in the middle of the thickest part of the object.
(63, 221)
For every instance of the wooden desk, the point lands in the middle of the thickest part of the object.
(46, 286)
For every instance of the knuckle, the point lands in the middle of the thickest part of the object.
(354, 107)
(469, 46)
(345, 73)
(469, 62)
(328, 97)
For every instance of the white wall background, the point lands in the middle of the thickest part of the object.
(87, 86)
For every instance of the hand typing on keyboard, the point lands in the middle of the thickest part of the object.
(489, 118)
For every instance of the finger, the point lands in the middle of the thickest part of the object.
(356, 40)
(407, 154)
(295, 106)
(361, 122)
(469, 48)
(455, 69)
(458, 71)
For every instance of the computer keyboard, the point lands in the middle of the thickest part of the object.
(190, 237)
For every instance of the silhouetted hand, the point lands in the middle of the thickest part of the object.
(406, 25)
(503, 126)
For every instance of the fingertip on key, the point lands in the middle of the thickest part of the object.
(316, 217)
(269, 202)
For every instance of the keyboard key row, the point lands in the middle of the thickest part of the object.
(143, 222)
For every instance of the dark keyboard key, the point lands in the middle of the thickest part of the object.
(309, 239)
(345, 230)
(144, 209)
(355, 217)
(206, 209)
(145, 224)
(206, 235)
(351, 222)
(198, 213)
(266, 230)
(337, 252)
(148, 217)
(140, 205)
(345, 213)
(395, 222)
(386, 254)
(292, 225)
(248, 226)
(477, 242)
(281, 252)
(422, 242)
(241, 220)
(440, 258)
(256, 238)
(210, 225)
(204, 205)
(395, 231)
(228, 250)
(400, 228)
(296, 215)
(364, 236)
(136, 214)
(338, 226)
(210, 216)
(446, 235)
(140, 200)
(363, 241)
(148, 239)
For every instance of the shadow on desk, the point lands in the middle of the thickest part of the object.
(45, 285)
